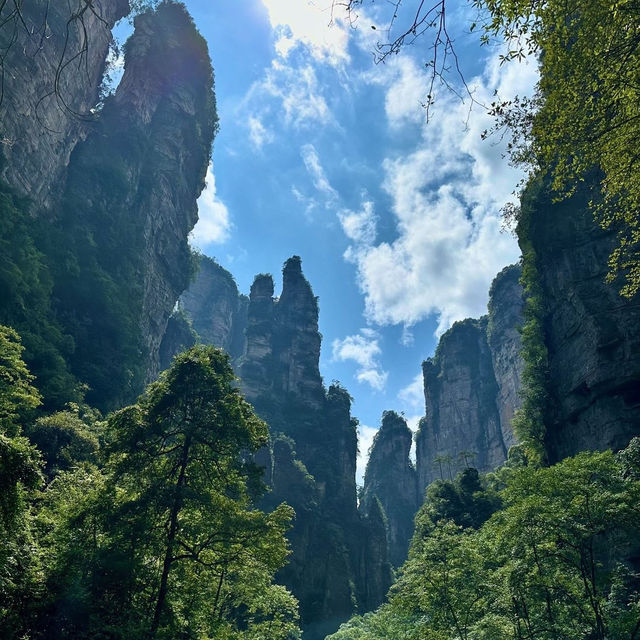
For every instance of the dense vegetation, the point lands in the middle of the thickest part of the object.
(146, 524)
(558, 559)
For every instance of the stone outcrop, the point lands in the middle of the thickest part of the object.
(113, 189)
(471, 388)
(217, 310)
(280, 376)
(592, 334)
(178, 336)
(462, 414)
(283, 340)
(339, 560)
(130, 199)
(505, 319)
(390, 478)
(50, 86)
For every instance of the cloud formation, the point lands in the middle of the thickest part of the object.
(446, 198)
(309, 24)
(363, 349)
(214, 224)
(316, 171)
(413, 394)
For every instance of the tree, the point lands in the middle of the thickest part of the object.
(586, 114)
(19, 477)
(173, 545)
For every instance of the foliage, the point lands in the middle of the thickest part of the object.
(25, 290)
(65, 439)
(552, 563)
(165, 540)
(19, 477)
(529, 420)
(466, 501)
(586, 114)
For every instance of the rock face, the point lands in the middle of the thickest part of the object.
(339, 561)
(112, 191)
(391, 479)
(49, 89)
(331, 574)
(591, 333)
(283, 340)
(471, 389)
(505, 319)
(178, 336)
(130, 203)
(462, 414)
(218, 312)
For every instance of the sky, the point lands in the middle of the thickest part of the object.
(324, 153)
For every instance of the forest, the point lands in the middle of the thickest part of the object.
(172, 465)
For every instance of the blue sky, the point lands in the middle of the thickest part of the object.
(325, 154)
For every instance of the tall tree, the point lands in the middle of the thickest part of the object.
(179, 550)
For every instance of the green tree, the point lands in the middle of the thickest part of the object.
(19, 477)
(171, 544)
(586, 113)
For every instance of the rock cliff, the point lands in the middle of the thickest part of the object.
(391, 479)
(50, 84)
(471, 388)
(130, 203)
(217, 311)
(505, 319)
(110, 189)
(592, 334)
(462, 416)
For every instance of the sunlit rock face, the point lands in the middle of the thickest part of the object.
(282, 337)
(592, 334)
(462, 416)
(133, 183)
(391, 478)
(50, 86)
(472, 388)
(117, 184)
(218, 312)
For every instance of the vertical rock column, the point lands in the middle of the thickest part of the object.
(391, 478)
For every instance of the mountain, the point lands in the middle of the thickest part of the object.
(339, 553)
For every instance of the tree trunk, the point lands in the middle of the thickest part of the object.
(171, 538)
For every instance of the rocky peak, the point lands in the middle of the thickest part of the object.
(461, 405)
(391, 479)
(131, 194)
(283, 341)
(592, 334)
(506, 309)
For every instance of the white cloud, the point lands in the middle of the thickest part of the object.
(258, 133)
(359, 226)
(297, 89)
(406, 85)
(214, 224)
(316, 171)
(363, 349)
(413, 394)
(306, 23)
(365, 439)
(446, 199)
